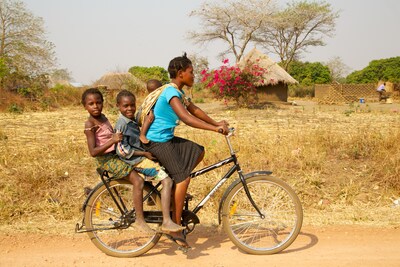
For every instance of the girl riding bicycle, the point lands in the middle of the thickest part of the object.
(179, 156)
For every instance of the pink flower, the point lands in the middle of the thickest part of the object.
(225, 61)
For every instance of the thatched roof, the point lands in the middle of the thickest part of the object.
(275, 73)
(119, 81)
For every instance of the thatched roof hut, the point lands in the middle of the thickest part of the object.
(275, 80)
(119, 81)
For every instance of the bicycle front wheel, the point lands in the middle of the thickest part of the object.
(110, 230)
(282, 221)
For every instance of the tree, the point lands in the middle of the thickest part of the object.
(338, 69)
(199, 64)
(23, 45)
(296, 28)
(307, 73)
(377, 70)
(61, 75)
(146, 73)
(236, 23)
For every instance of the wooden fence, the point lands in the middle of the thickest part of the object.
(347, 93)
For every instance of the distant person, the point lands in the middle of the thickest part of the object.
(381, 90)
(151, 85)
(101, 141)
(129, 150)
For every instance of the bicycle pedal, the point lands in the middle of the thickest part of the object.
(184, 250)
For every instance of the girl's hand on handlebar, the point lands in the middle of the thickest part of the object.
(223, 123)
(223, 129)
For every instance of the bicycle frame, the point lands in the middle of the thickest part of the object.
(229, 173)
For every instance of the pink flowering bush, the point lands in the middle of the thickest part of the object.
(232, 82)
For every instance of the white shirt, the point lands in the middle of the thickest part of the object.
(381, 88)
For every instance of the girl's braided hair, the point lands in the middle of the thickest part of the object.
(177, 64)
(91, 91)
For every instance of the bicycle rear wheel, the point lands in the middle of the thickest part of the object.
(109, 230)
(277, 202)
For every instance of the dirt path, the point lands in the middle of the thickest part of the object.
(315, 246)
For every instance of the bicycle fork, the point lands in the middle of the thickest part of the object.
(246, 189)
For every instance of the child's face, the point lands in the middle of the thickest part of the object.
(188, 76)
(127, 107)
(94, 105)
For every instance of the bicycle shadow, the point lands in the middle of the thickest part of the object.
(301, 243)
(203, 239)
(207, 238)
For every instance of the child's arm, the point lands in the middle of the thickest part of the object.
(90, 129)
(125, 150)
(148, 120)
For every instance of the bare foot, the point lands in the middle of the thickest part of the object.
(171, 227)
(143, 227)
(143, 139)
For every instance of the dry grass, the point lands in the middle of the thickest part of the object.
(343, 161)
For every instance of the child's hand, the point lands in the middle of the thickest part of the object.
(150, 117)
(117, 137)
(149, 156)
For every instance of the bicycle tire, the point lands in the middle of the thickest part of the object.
(277, 201)
(101, 213)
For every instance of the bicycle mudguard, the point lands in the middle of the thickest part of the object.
(233, 184)
(89, 195)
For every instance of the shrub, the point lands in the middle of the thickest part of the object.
(301, 91)
(15, 108)
(232, 82)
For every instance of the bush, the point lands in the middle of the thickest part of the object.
(232, 82)
(147, 73)
(15, 108)
(301, 91)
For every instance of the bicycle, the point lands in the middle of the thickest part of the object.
(261, 214)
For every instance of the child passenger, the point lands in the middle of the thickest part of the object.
(151, 85)
(101, 140)
(129, 150)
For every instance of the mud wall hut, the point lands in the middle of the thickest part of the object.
(275, 81)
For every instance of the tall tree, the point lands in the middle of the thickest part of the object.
(301, 25)
(23, 44)
(338, 69)
(236, 23)
(200, 63)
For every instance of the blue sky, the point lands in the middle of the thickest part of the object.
(93, 37)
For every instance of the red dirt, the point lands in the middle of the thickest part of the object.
(315, 246)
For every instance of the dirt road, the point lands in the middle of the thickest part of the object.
(315, 246)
